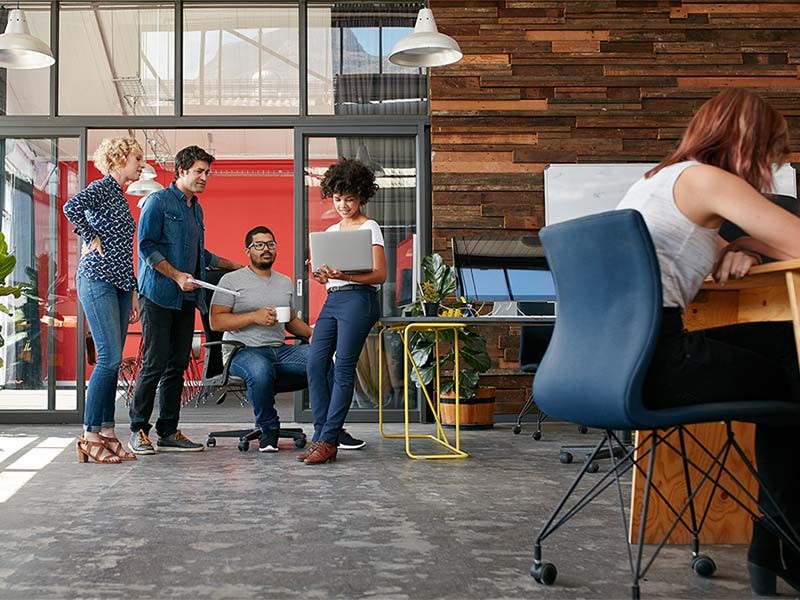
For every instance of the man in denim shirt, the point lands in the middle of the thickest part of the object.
(171, 253)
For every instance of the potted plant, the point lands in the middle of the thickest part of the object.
(476, 404)
(7, 263)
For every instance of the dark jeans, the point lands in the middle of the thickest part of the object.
(261, 367)
(749, 361)
(167, 335)
(108, 310)
(342, 327)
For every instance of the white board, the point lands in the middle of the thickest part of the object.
(572, 191)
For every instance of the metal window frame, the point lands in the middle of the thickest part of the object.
(303, 125)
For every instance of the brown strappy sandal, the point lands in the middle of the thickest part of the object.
(87, 449)
(116, 447)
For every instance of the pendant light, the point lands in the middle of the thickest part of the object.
(426, 47)
(19, 49)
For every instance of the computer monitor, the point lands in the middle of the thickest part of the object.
(512, 273)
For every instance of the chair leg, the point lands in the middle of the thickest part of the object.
(526, 408)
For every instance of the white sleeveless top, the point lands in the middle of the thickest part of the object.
(686, 252)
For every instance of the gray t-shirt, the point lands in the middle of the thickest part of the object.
(255, 292)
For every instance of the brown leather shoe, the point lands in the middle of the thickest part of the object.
(304, 455)
(324, 452)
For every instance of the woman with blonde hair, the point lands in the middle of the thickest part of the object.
(106, 287)
(719, 172)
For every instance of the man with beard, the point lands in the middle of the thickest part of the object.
(251, 318)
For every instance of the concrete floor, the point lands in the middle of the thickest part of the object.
(225, 524)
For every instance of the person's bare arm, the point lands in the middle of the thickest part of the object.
(223, 319)
(708, 195)
(179, 277)
(298, 327)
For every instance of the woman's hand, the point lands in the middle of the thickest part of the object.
(94, 245)
(331, 273)
(733, 264)
(134, 308)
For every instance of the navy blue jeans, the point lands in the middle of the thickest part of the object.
(167, 336)
(108, 310)
(342, 327)
(261, 367)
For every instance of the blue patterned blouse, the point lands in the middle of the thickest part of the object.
(101, 210)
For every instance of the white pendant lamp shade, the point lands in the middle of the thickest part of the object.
(19, 49)
(143, 187)
(148, 172)
(426, 47)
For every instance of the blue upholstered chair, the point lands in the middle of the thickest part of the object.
(609, 314)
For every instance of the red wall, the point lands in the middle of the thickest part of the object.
(233, 203)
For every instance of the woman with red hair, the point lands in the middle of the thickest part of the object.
(719, 172)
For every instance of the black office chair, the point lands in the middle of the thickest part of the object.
(609, 317)
(217, 378)
(226, 383)
(533, 340)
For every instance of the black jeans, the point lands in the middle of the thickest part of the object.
(749, 361)
(167, 335)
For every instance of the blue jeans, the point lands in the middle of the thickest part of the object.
(260, 367)
(342, 327)
(108, 310)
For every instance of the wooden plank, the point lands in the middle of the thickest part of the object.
(456, 106)
(565, 35)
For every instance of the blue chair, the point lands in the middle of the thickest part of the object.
(609, 315)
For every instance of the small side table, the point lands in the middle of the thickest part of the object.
(405, 327)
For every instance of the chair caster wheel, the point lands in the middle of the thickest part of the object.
(592, 467)
(537, 435)
(565, 457)
(300, 442)
(582, 429)
(703, 565)
(544, 573)
(515, 429)
(211, 442)
(244, 446)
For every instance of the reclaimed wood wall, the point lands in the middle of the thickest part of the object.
(582, 81)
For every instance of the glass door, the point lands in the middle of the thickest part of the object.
(393, 159)
(42, 328)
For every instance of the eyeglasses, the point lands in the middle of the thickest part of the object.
(261, 245)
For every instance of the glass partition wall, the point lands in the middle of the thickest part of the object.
(277, 90)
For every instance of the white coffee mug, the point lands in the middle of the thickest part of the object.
(283, 314)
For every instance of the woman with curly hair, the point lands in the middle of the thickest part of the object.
(106, 287)
(349, 313)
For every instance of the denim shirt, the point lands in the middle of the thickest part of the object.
(101, 210)
(164, 234)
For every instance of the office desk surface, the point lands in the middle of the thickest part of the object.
(521, 320)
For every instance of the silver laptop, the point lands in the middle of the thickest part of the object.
(349, 251)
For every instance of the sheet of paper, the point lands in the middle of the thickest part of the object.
(211, 286)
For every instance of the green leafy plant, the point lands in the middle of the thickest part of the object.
(440, 280)
(7, 263)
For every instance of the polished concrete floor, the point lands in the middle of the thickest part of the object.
(226, 524)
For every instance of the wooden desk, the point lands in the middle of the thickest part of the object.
(769, 293)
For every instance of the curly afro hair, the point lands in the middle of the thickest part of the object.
(349, 176)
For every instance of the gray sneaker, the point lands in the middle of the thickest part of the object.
(177, 442)
(139, 443)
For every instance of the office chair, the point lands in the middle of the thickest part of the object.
(609, 315)
(226, 382)
(217, 378)
(533, 340)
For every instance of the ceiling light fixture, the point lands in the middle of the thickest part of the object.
(426, 47)
(19, 49)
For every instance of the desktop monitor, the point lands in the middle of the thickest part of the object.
(511, 273)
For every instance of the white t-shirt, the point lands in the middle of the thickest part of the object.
(686, 251)
(377, 240)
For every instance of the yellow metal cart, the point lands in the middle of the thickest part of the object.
(405, 327)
